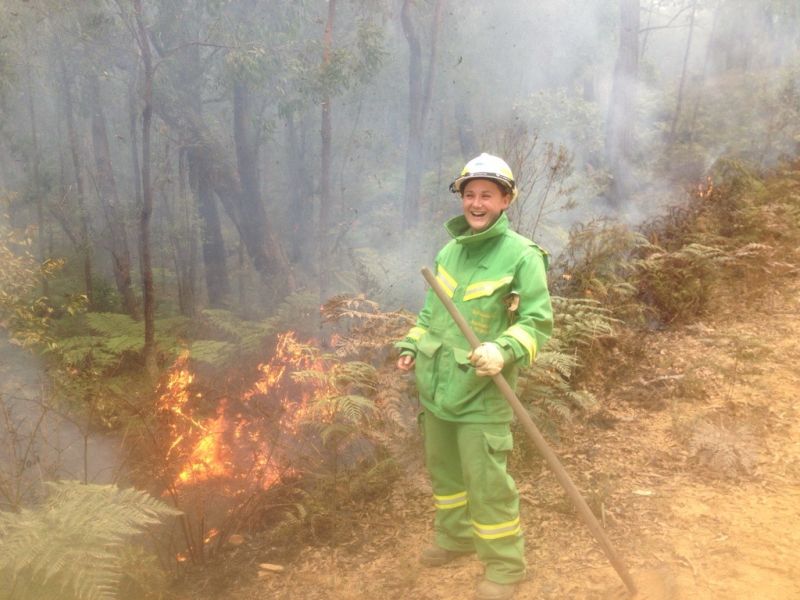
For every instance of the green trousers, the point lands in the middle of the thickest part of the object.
(477, 503)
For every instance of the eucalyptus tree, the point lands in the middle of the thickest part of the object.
(98, 53)
(420, 85)
(229, 55)
(620, 121)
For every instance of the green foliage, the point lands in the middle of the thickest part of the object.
(678, 284)
(766, 129)
(582, 329)
(598, 263)
(24, 313)
(566, 118)
(113, 337)
(70, 546)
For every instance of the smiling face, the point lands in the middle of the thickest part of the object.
(483, 201)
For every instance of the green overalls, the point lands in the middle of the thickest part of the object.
(497, 280)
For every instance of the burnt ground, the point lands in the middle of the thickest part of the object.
(691, 460)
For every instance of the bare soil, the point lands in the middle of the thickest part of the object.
(692, 461)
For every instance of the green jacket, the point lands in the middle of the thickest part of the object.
(484, 274)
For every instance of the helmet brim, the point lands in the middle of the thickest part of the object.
(505, 182)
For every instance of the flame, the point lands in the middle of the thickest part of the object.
(230, 445)
(209, 458)
(704, 189)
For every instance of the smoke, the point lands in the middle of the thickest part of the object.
(39, 443)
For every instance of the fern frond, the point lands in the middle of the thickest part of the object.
(354, 409)
(72, 539)
(211, 352)
(355, 375)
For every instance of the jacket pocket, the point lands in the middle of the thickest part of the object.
(498, 483)
(462, 359)
(499, 443)
(428, 345)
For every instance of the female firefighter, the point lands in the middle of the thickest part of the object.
(497, 280)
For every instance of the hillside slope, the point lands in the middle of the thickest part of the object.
(693, 463)
(691, 458)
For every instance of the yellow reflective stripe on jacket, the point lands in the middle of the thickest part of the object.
(485, 288)
(451, 501)
(497, 530)
(524, 338)
(448, 283)
(416, 332)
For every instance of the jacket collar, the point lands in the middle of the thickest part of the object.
(459, 230)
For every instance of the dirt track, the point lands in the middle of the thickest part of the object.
(693, 463)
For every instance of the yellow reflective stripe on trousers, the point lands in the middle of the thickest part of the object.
(485, 288)
(448, 283)
(497, 530)
(451, 501)
(415, 333)
(524, 338)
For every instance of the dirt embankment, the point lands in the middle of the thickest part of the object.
(692, 462)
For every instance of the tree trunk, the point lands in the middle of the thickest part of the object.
(109, 201)
(266, 253)
(676, 117)
(701, 84)
(324, 233)
(212, 244)
(419, 98)
(79, 187)
(148, 288)
(413, 158)
(181, 237)
(466, 129)
(620, 121)
(35, 174)
(301, 192)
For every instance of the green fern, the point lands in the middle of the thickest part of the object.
(212, 352)
(69, 546)
(581, 322)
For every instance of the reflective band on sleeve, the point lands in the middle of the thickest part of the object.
(498, 530)
(485, 288)
(524, 338)
(451, 501)
(448, 283)
(415, 333)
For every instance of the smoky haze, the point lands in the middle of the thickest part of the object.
(549, 68)
(284, 160)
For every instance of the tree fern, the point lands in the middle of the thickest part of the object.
(68, 547)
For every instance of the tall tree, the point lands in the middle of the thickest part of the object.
(117, 237)
(682, 83)
(326, 135)
(420, 88)
(35, 170)
(266, 252)
(75, 153)
(148, 287)
(620, 121)
(180, 105)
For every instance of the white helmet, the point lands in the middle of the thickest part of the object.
(486, 166)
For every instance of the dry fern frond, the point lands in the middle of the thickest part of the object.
(726, 451)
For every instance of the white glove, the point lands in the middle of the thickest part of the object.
(487, 359)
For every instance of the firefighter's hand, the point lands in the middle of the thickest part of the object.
(487, 359)
(405, 362)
